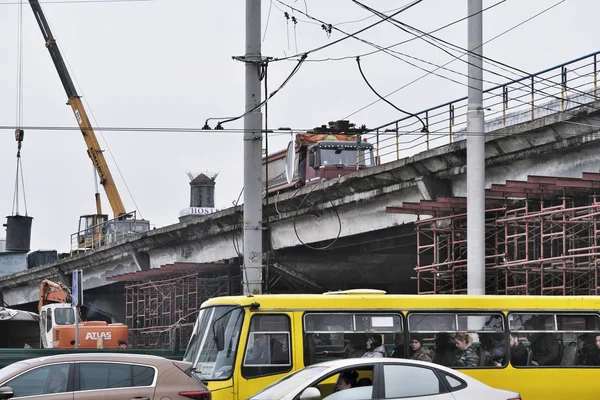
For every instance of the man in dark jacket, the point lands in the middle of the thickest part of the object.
(518, 352)
(545, 347)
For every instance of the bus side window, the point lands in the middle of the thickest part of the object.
(268, 349)
(352, 335)
(554, 339)
(458, 340)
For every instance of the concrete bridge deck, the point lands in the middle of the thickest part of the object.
(344, 216)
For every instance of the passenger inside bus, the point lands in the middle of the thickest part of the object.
(466, 356)
(356, 347)
(375, 347)
(398, 351)
(492, 349)
(518, 352)
(588, 352)
(544, 346)
(445, 350)
(266, 350)
(417, 350)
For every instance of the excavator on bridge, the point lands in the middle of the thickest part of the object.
(57, 322)
(94, 229)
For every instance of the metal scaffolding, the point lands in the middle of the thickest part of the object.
(162, 304)
(542, 237)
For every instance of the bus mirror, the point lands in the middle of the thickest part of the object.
(312, 159)
(311, 393)
(220, 338)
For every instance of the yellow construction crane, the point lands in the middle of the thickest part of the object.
(89, 225)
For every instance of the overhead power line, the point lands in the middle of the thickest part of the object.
(349, 35)
(387, 101)
(433, 72)
(80, 1)
(383, 48)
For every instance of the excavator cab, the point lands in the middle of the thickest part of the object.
(91, 230)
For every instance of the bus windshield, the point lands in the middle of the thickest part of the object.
(210, 363)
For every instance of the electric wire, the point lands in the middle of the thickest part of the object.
(262, 103)
(407, 132)
(364, 19)
(386, 100)
(334, 240)
(445, 64)
(267, 23)
(380, 48)
(428, 72)
(318, 21)
(80, 1)
(19, 117)
(414, 3)
(525, 85)
(508, 68)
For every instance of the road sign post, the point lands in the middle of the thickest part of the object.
(77, 301)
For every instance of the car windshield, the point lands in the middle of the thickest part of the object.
(9, 370)
(289, 383)
(210, 363)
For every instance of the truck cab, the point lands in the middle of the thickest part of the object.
(51, 316)
(332, 158)
(316, 157)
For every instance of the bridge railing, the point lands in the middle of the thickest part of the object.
(109, 232)
(557, 89)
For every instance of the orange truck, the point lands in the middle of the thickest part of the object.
(57, 323)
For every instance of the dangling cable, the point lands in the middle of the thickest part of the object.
(425, 127)
(15, 209)
(19, 133)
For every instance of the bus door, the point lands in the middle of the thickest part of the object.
(267, 353)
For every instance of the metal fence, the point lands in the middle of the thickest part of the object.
(554, 90)
(109, 232)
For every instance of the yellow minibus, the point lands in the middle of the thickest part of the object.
(544, 347)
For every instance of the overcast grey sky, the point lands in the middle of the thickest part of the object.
(167, 63)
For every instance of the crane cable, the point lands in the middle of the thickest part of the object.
(19, 133)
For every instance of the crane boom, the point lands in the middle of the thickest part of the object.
(93, 147)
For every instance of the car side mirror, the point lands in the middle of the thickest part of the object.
(312, 159)
(6, 393)
(311, 393)
(220, 338)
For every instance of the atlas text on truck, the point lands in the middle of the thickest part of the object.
(57, 322)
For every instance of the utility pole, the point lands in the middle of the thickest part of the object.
(252, 268)
(475, 154)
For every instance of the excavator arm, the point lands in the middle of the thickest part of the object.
(51, 292)
(93, 147)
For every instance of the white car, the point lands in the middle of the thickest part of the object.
(380, 378)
